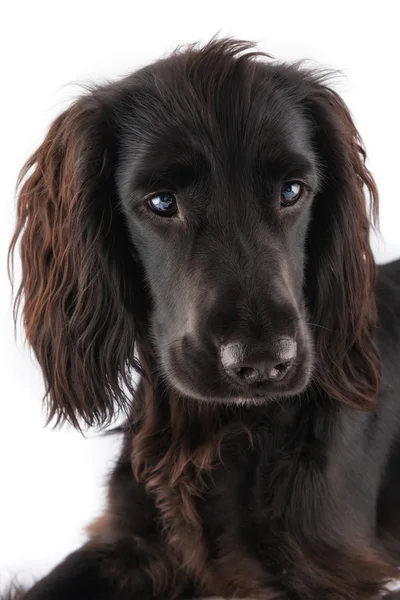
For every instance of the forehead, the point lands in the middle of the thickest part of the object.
(235, 118)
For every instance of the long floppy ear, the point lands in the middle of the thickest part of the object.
(76, 295)
(341, 268)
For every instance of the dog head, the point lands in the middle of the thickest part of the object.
(207, 211)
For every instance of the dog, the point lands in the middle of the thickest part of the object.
(205, 223)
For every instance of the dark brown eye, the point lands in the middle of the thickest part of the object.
(163, 203)
(290, 192)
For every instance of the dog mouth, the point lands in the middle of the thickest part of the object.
(204, 387)
(257, 395)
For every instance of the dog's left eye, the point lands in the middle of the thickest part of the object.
(291, 192)
(163, 203)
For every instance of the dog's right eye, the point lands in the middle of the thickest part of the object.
(163, 204)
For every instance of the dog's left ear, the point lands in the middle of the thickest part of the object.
(341, 268)
(80, 282)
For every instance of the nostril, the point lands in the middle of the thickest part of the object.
(279, 371)
(247, 374)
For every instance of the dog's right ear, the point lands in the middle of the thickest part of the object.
(76, 298)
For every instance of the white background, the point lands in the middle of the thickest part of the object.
(52, 482)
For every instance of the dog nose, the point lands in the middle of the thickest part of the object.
(246, 365)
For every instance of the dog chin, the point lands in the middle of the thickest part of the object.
(231, 400)
(186, 392)
(243, 401)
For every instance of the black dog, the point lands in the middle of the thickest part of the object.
(203, 222)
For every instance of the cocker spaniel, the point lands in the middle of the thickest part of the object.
(205, 222)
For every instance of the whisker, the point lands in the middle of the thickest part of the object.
(320, 326)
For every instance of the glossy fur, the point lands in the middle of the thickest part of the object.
(288, 489)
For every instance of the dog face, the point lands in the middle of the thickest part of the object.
(216, 186)
(207, 211)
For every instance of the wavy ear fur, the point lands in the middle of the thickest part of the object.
(341, 268)
(77, 300)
